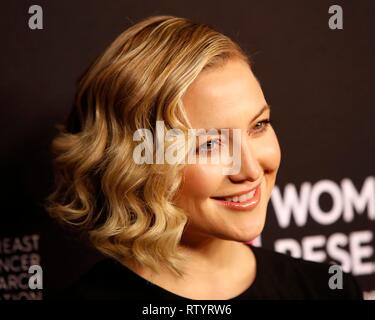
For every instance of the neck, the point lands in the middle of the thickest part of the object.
(209, 254)
(219, 268)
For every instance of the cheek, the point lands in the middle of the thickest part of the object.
(201, 181)
(270, 152)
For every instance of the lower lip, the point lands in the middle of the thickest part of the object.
(246, 205)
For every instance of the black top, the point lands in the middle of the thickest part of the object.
(278, 277)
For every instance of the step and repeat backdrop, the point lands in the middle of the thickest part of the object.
(315, 62)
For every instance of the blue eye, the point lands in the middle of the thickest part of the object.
(209, 145)
(262, 125)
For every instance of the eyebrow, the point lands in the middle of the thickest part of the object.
(261, 111)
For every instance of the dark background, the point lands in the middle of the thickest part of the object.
(319, 82)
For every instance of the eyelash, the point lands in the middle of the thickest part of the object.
(204, 144)
(266, 123)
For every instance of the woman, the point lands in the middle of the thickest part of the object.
(176, 229)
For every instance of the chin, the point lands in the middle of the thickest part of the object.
(243, 235)
(250, 232)
(250, 237)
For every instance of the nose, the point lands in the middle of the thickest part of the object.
(250, 166)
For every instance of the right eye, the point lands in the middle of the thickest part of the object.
(209, 145)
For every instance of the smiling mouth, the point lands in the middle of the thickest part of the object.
(240, 198)
(245, 201)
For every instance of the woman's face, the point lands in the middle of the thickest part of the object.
(229, 97)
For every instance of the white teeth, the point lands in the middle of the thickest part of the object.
(241, 198)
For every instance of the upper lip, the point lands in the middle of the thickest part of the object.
(238, 193)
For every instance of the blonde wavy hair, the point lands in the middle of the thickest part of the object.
(127, 208)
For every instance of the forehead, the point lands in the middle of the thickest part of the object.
(224, 97)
